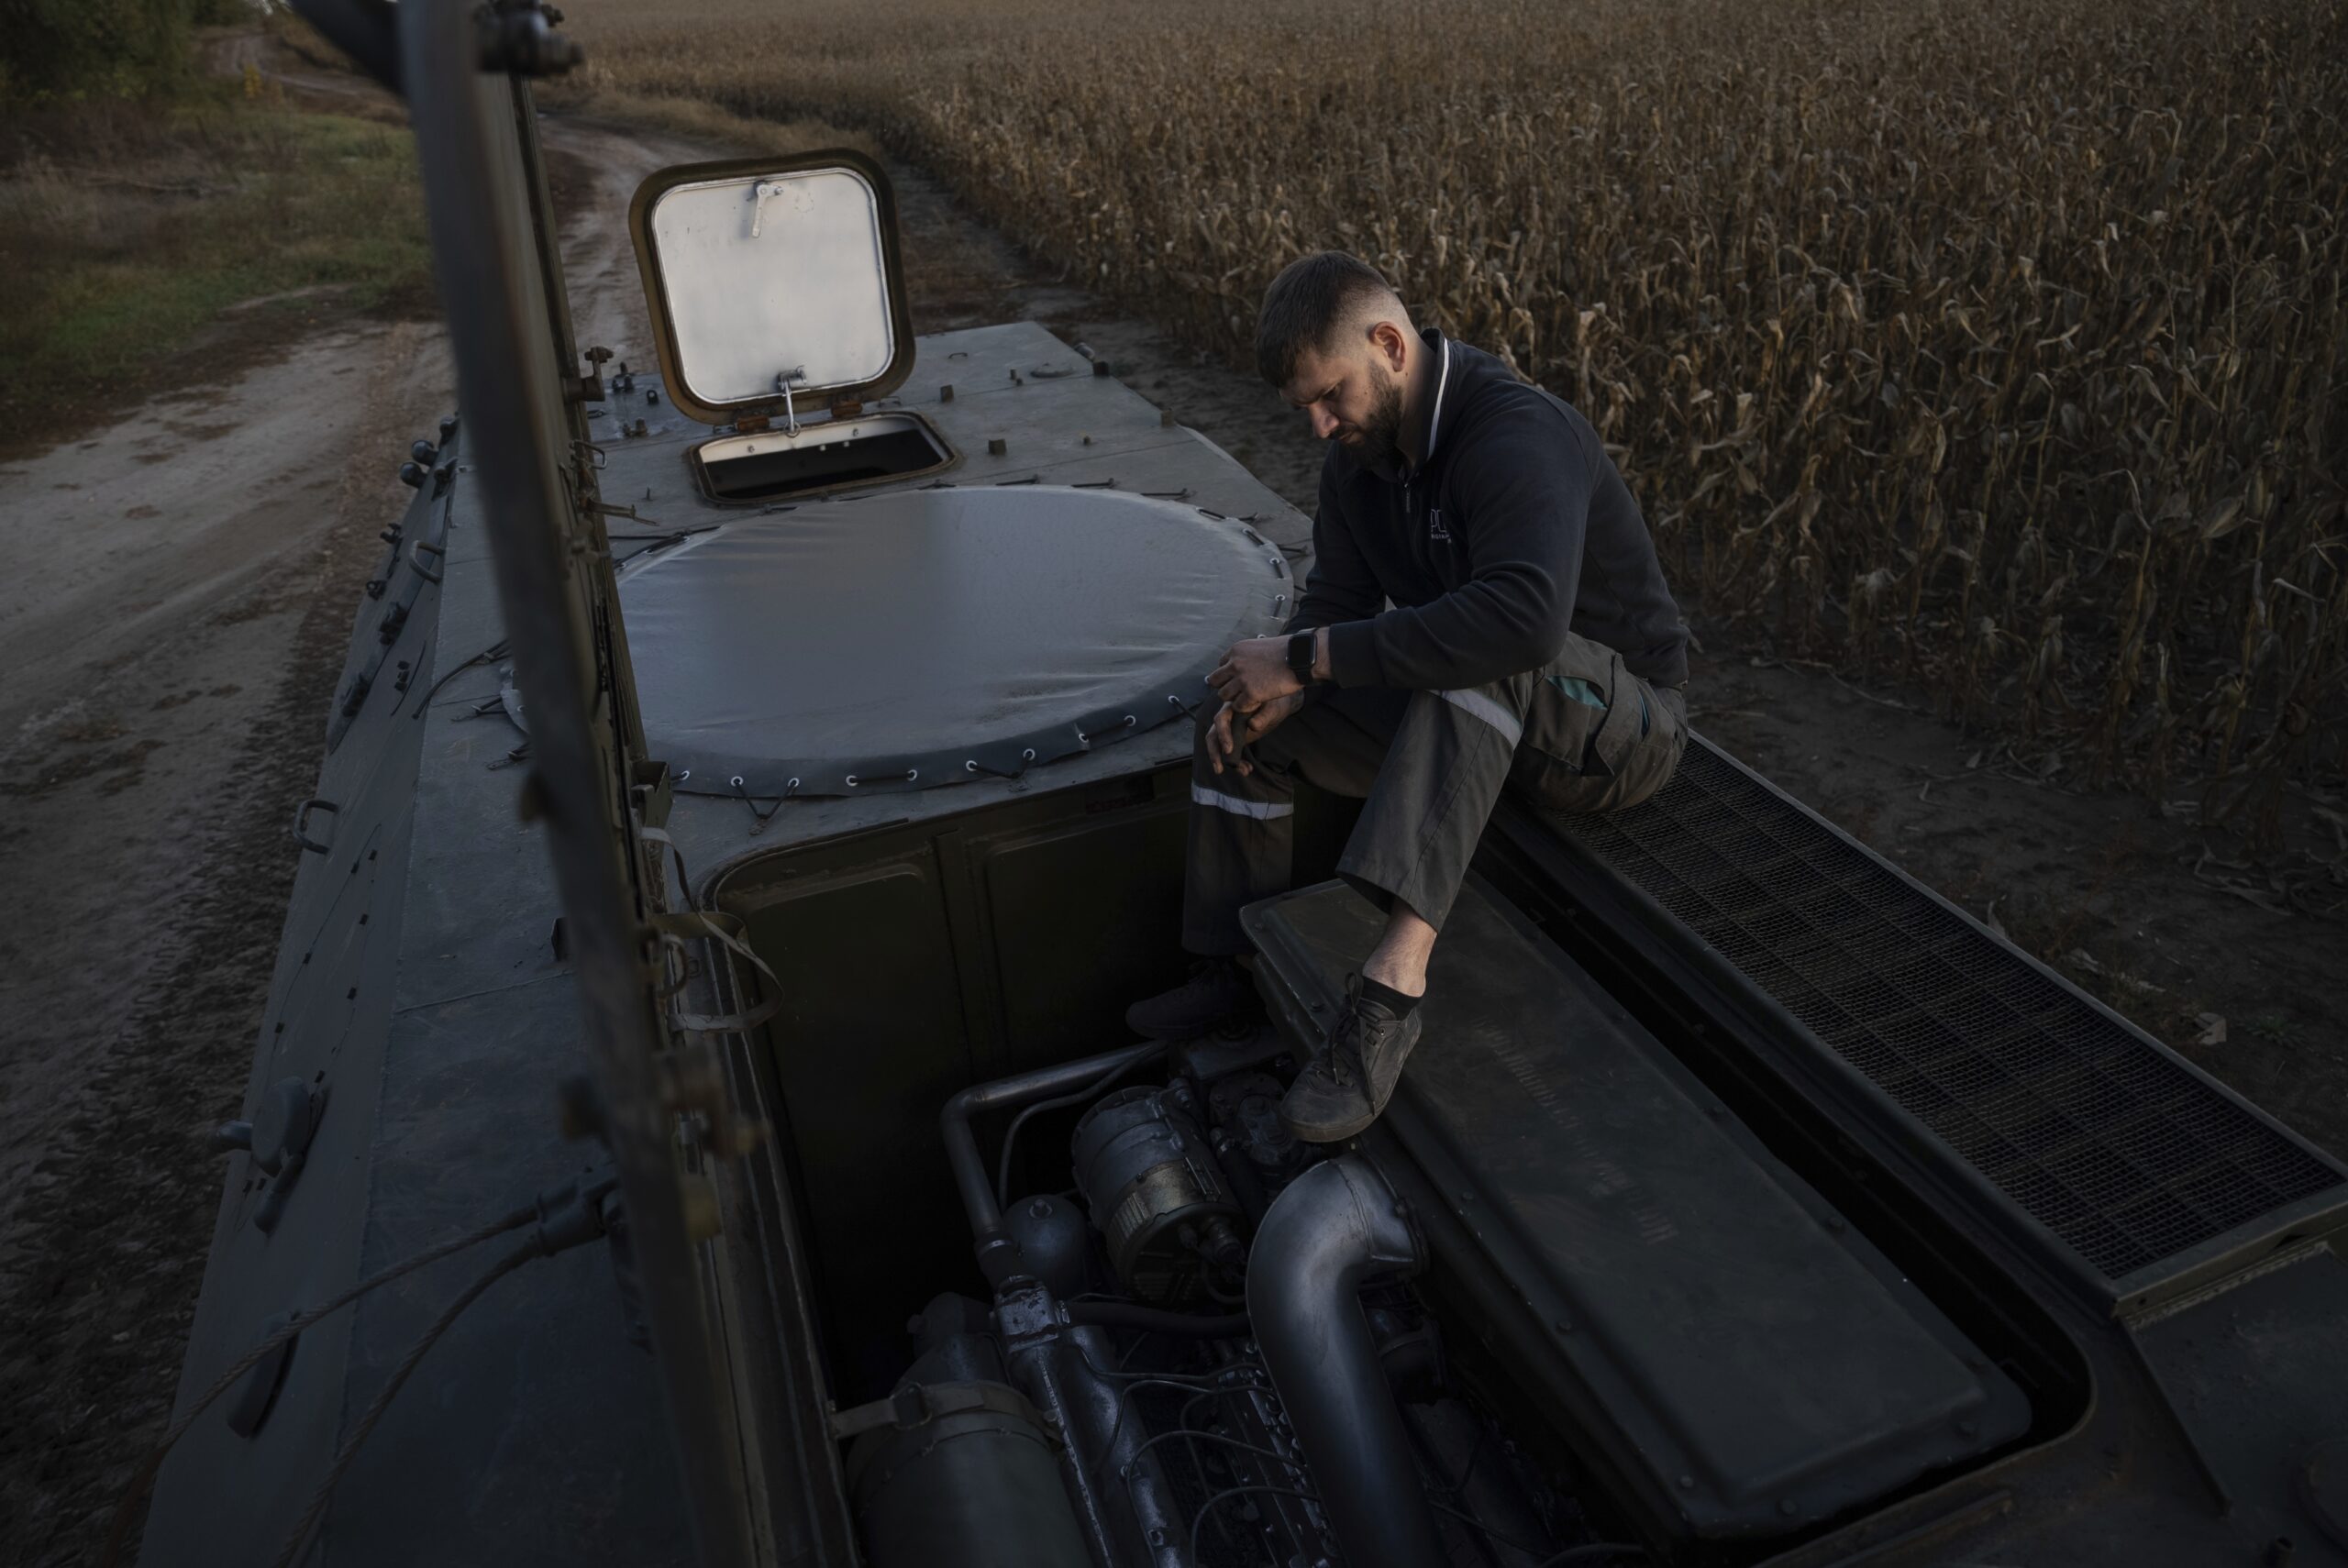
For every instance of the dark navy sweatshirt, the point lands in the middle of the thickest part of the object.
(1506, 527)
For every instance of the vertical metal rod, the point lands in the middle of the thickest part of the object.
(487, 256)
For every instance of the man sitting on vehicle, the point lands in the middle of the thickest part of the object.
(1529, 639)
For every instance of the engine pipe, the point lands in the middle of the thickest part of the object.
(998, 1254)
(1336, 1227)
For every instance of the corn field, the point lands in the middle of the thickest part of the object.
(1996, 348)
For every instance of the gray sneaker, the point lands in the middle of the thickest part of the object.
(1216, 992)
(1347, 1085)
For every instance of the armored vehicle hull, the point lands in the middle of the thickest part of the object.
(731, 901)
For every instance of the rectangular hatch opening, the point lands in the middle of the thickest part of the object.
(820, 458)
(976, 944)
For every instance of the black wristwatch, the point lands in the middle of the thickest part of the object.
(1300, 656)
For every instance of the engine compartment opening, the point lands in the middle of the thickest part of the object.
(1060, 1280)
(821, 458)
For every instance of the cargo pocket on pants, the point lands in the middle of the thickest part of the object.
(1629, 719)
(1655, 757)
(1585, 722)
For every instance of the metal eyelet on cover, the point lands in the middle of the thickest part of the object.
(912, 774)
(736, 781)
(851, 780)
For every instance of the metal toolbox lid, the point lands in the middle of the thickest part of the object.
(768, 273)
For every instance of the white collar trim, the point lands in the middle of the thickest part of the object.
(1435, 420)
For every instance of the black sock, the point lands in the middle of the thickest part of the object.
(1387, 996)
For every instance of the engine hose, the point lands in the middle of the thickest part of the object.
(998, 1254)
(1335, 1229)
(1183, 1325)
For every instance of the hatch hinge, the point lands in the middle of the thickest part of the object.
(749, 424)
(847, 410)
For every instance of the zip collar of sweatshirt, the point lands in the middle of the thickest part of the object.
(1423, 420)
(1424, 428)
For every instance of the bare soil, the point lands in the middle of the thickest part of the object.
(182, 585)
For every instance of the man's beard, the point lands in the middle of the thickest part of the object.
(1380, 435)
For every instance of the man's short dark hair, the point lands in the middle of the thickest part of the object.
(1307, 302)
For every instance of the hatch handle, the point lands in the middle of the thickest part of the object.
(416, 550)
(302, 823)
(782, 384)
(766, 191)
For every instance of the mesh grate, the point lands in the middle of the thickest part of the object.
(2121, 1153)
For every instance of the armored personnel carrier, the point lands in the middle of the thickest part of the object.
(693, 1121)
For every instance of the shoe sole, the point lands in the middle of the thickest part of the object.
(1328, 1132)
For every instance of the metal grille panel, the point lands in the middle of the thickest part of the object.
(2100, 1136)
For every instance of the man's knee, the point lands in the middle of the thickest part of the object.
(1495, 710)
(1614, 775)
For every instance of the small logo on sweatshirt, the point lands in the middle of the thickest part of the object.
(1436, 528)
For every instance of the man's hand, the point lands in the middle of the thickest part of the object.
(1253, 673)
(1230, 733)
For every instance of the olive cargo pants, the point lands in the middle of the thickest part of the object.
(1582, 734)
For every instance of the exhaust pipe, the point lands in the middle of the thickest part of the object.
(1336, 1227)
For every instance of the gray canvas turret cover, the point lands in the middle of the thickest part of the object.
(930, 637)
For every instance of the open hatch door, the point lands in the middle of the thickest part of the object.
(778, 306)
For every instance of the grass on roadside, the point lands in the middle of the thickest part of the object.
(143, 243)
